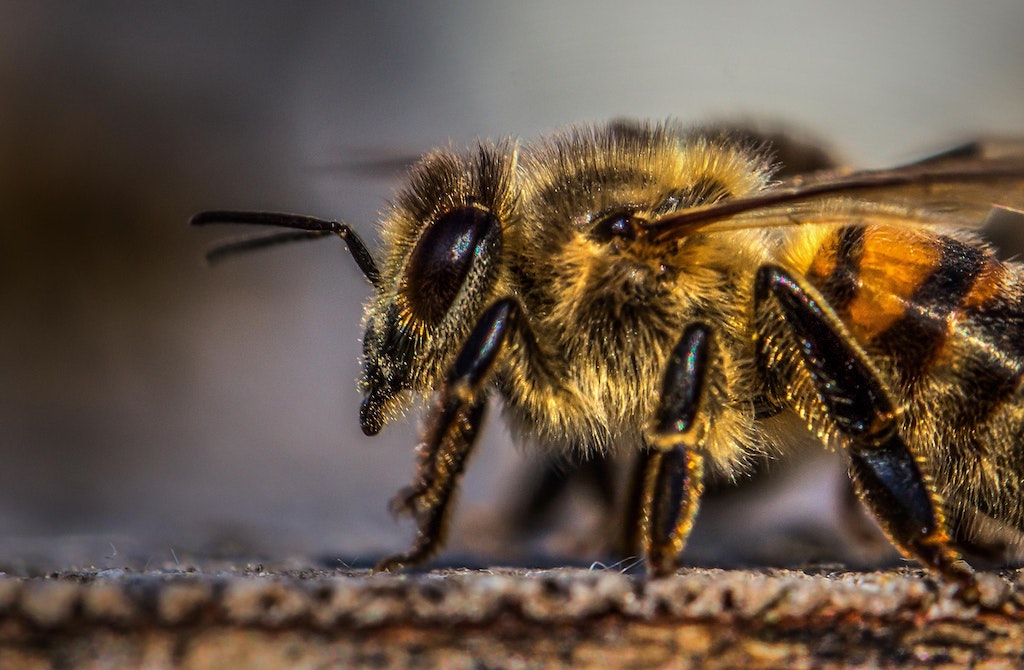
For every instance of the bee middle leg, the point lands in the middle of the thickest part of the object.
(669, 477)
(451, 430)
(893, 484)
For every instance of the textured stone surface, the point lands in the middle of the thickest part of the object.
(504, 618)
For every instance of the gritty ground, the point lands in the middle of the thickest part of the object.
(221, 614)
(103, 601)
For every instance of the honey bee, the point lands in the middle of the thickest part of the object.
(653, 290)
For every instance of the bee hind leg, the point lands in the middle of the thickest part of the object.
(451, 430)
(892, 483)
(669, 478)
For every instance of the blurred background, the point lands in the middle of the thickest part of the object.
(153, 407)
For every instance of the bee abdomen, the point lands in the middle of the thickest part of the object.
(924, 304)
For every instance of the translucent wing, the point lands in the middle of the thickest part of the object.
(956, 187)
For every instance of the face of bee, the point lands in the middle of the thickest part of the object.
(444, 238)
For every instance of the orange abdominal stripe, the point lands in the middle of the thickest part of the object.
(885, 279)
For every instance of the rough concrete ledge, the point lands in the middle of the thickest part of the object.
(505, 618)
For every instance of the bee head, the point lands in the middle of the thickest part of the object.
(443, 241)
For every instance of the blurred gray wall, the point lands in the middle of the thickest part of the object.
(143, 395)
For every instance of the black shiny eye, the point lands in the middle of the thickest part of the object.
(621, 224)
(442, 258)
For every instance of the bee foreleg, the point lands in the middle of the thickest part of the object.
(671, 481)
(890, 480)
(451, 431)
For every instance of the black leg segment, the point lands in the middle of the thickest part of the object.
(889, 477)
(451, 432)
(683, 386)
(443, 459)
(673, 486)
(481, 349)
(853, 395)
(890, 480)
(672, 471)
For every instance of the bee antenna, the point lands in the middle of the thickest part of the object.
(306, 227)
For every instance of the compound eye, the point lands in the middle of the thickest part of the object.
(621, 224)
(442, 258)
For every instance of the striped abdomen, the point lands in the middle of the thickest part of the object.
(943, 321)
(925, 305)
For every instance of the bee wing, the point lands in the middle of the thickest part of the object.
(959, 187)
